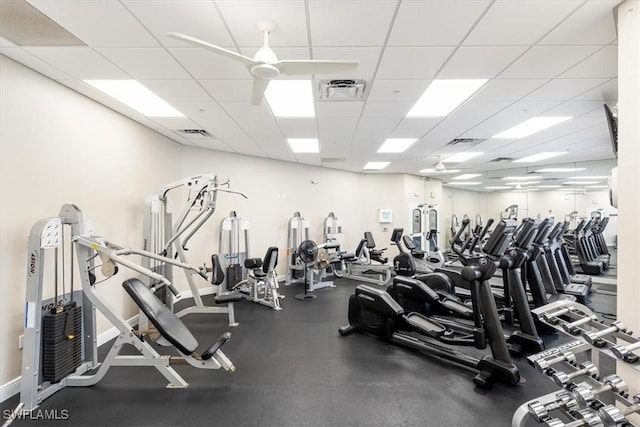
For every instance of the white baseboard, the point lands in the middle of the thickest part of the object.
(12, 388)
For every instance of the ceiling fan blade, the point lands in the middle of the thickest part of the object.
(258, 89)
(319, 66)
(217, 49)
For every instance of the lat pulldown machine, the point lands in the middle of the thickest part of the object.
(165, 237)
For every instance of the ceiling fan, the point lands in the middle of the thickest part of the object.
(265, 65)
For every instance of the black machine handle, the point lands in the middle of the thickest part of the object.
(526, 234)
(454, 241)
(478, 237)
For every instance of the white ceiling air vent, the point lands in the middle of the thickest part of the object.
(341, 90)
(467, 142)
(194, 133)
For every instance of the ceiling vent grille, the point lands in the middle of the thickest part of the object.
(194, 133)
(468, 142)
(341, 90)
(503, 159)
(332, 159)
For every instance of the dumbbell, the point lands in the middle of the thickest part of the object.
(554, 317)
(586, 368)
(584, 417)
(573, 327)
(595, 338)
(624, 351)
(544, 365)
(612, 416)
(564, 400)
(585, 394)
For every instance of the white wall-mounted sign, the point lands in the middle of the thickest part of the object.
(385, 215)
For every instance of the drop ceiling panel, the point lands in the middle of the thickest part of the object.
(93, 22)
(434, 23)
(350, 23)
(379, 124)
(145, 63)
(575, 108)
(386, 109)
(175, 123)
(228, 90)
(202, 111)
(202, 64)
(605, 92)
(367, 58)
(412, 62)
(592, 23)
(548, 61)
(212, 144)
(397, 90)
(414, 127)
(177, 90)
(478, 109)
(602, 64)
(80, 62)
(339, 109)
(246, 114)
(288, 16)
(563, 89)
(510, 22)
(298, 127)
(199, 19)
(22, 56)
(507, 89)
(480, 61)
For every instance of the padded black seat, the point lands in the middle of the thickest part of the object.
(166, 322)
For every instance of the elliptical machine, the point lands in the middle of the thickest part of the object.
(375, 312)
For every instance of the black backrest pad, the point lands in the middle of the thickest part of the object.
(270, 259)
(168, 324)
(252, 263)
(217, 275)
(408, 242)
(360, 247)
(369, 238)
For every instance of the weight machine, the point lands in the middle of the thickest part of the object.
(60, 336)
(165, 237)
(299, 271)
(510, 212)
(234, 247)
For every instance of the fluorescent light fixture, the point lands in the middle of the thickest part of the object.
(467, 176)
(560, 170)
(518, 178)
(396, 145)
(525, 189)
(304, 145)
(540, 156)
(497, 187)
(290, 98)
(376, 165)
(522, 183)
(464, 183)
(597, 186)
(443, 96)
(590, 177)
(531, 126)
(462, 157)
(580, 182)
(549, 186)
(133, 94)
(432, 170)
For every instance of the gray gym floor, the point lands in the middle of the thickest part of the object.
(293, 369)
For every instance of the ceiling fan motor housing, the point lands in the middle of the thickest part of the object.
(265, 71)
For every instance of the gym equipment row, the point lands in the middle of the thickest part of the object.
(60, 343)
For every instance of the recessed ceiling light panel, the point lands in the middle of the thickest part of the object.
(304, 145)
(443, 96)
(467, 176)
(375, 165)
(290, 98)
(529, 127)
(462, 157)
(133, 94)
(396, 145)
(540, 156)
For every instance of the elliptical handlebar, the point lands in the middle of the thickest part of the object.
(456, 240)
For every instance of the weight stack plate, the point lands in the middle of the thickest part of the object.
(62, 349)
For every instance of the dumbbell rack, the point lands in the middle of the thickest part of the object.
(596, 340)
